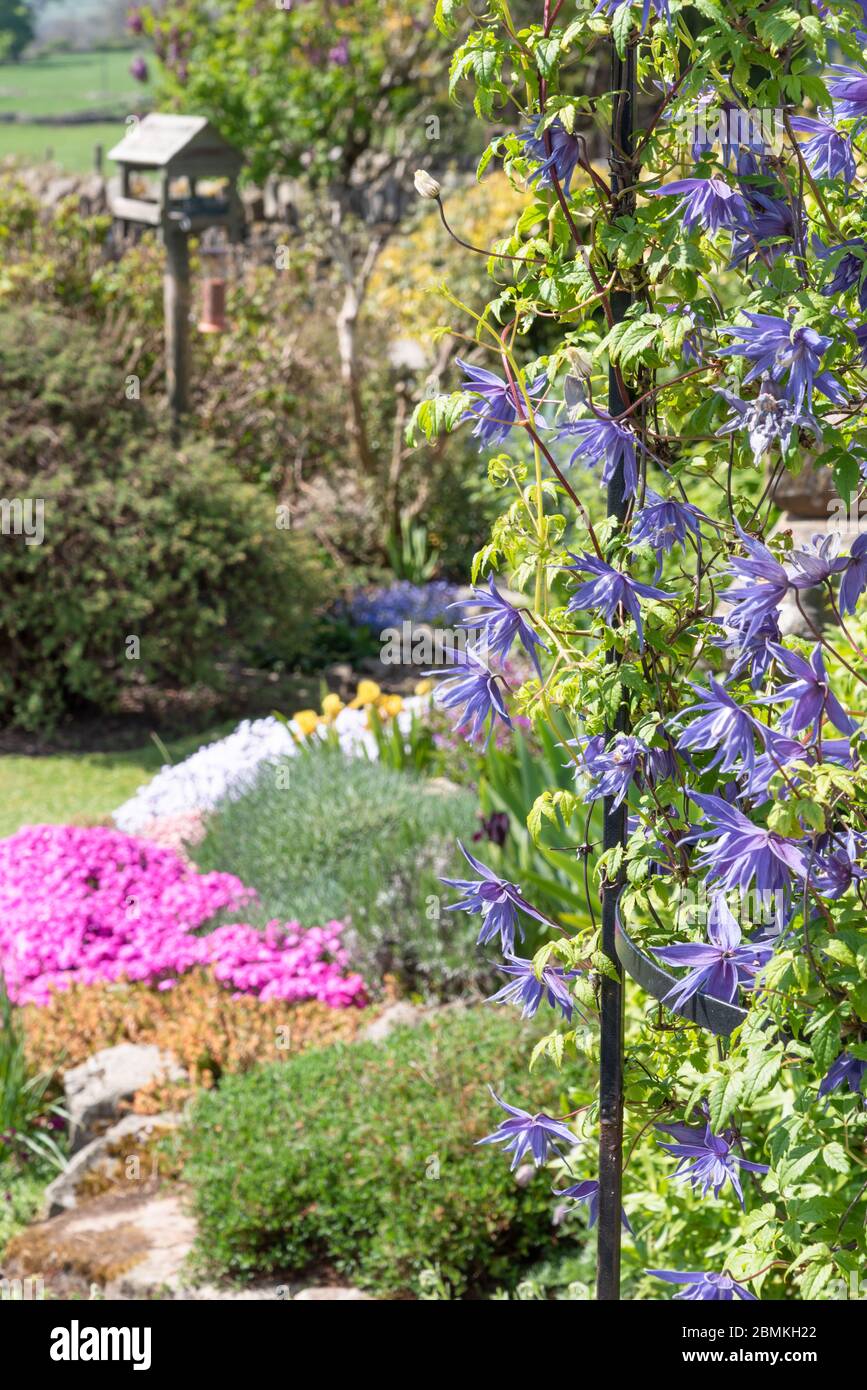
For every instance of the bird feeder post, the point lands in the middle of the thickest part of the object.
(176, 308)
(614, 819)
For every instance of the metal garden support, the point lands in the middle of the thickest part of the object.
(614, 824)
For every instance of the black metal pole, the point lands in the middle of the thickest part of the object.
(614, 822)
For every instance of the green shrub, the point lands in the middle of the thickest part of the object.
(141, 539)
(362, 1156)
(324, 836)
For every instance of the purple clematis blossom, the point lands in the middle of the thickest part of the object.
(818, 559)
(750, 647)
(496, 411)
(588, 1191)
(742, 851)
(720, 1288)
(811, 696)
(660, 8)
(849, 91)
(835, 868)
(845, 1071)
(783, 751)
(662, 523)
(828, 152)
(724, 725)
(711, 204)
(560, 161)
(603, 440)
(470, 686)
(523, 1131)
(766, 583)
(854, 581)
(768, 230)
(609, 589)
(614, 769)
(498, 901)
(501, 624)
(770, 419)
(720, 967)
(849, 271)
(707, 1160)
(775, 347)
(530, 990)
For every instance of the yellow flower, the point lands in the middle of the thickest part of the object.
(389, 705)
(423, 687)
(367, 692)
(306, 719)
(331, 706)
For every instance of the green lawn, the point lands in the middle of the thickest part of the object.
(82, 787)
(71, 146)
(67, 82)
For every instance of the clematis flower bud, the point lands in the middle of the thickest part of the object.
(425, 186)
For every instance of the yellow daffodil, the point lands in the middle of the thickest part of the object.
(423, 687)
(366, 694)
(389, 705)
(331, 706)
(307, 720)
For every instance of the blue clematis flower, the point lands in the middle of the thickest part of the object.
(766, 583)
(501, 624)
(609, 589)
(810, 693)
(724, 725)
(750, 647)
(614, 769)
(530, 990)
(849, 271)
(601, 439)
(848, 88)
(498, 901)
(707, 1160)
(828, 152)
(588, 1191)
(659, 7)
(782, 751)
(711, 204)
(497, 409)
(845, 1071)
(662, 523)
(776, 347)
(523, 1131)
(767, 232)
(719, 1288)
(769, 419)
(854, 581)
(818, 560)
(562, 160)
(468, 685)
(835, 868)
(742, 851)
(721, 966)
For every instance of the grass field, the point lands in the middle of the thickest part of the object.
(71, 146)
(63, 84)
(68, 82)
(79, 788)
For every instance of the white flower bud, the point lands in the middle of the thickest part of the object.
(425, 186)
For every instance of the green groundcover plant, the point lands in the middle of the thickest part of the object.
(710, 669)
(360, 1158)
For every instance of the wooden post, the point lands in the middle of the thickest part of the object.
(176, 303)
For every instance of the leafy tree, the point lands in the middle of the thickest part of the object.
(16, 28)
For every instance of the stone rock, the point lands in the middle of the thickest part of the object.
(132, 1246)
(94, 1089)
(103, 1156)
(333, 1294)
(399, 1015)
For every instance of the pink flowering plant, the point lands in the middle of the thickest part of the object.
(685, 323)
(93, 906)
